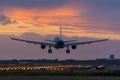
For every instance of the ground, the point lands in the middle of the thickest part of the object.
(57, 78)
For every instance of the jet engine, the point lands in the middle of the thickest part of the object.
(43, 46)
(73, 47)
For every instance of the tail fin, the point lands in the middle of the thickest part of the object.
(61, 31)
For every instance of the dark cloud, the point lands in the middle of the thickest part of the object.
(98, 4)
(28, 4)
(101, 14)
(104, 11)
(4, 20)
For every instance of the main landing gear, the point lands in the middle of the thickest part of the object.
(67, 51)
(49, 50)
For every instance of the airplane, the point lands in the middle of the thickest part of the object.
(59, 43)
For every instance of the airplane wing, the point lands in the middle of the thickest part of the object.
(35, 42)
(82, 43)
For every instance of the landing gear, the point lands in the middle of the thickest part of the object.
(67, 51)
(50, 50)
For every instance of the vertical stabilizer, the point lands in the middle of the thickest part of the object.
(61, 31)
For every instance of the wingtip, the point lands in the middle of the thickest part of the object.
(106, 39)
(12, 37)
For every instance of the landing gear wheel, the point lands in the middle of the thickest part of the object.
(49, 51)
(67, 51)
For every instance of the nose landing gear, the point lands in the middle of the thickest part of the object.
(67, 51)
(50, 50)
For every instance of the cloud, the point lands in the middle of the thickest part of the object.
(22, 27)
(38, 17)
(85, 17)
(4, 20)
(30, 4)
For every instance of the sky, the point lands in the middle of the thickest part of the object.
(41, 19)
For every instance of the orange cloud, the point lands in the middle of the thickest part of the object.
(46, 18)
(46, 22)
(55, 16)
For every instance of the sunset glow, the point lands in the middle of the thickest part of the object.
(75, 22)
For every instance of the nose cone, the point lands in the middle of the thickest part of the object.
(57, 39)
